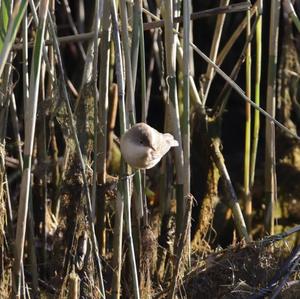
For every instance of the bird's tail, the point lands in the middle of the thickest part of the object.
(170, 139)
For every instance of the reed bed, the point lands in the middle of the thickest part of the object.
(76, 221)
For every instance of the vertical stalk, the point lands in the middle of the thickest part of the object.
(25, 75)
(143, 69)
(144, 105)
(136, 33)
(256, 126)
(30, 122)
(270, 159)
(56, 174)
(191, 63)
(248, 201)
(173, 110)
(193, 89)
(124, 184)
(186, 111)
(130, 103)
(101, 156)
(41, 144)
(96, 28)
(186, 97)
(31, 245)
(103, 91)
(117, 243)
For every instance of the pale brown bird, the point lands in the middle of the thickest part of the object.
(143, 147)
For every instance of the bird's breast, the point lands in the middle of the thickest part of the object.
(135, 155)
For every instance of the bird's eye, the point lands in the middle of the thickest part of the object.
(141, 142)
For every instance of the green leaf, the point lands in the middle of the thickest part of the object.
(14, 24)
(4, 18)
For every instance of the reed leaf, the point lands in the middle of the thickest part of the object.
(5, 9)
(13, 27)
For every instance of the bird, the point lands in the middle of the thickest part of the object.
(142, 146)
